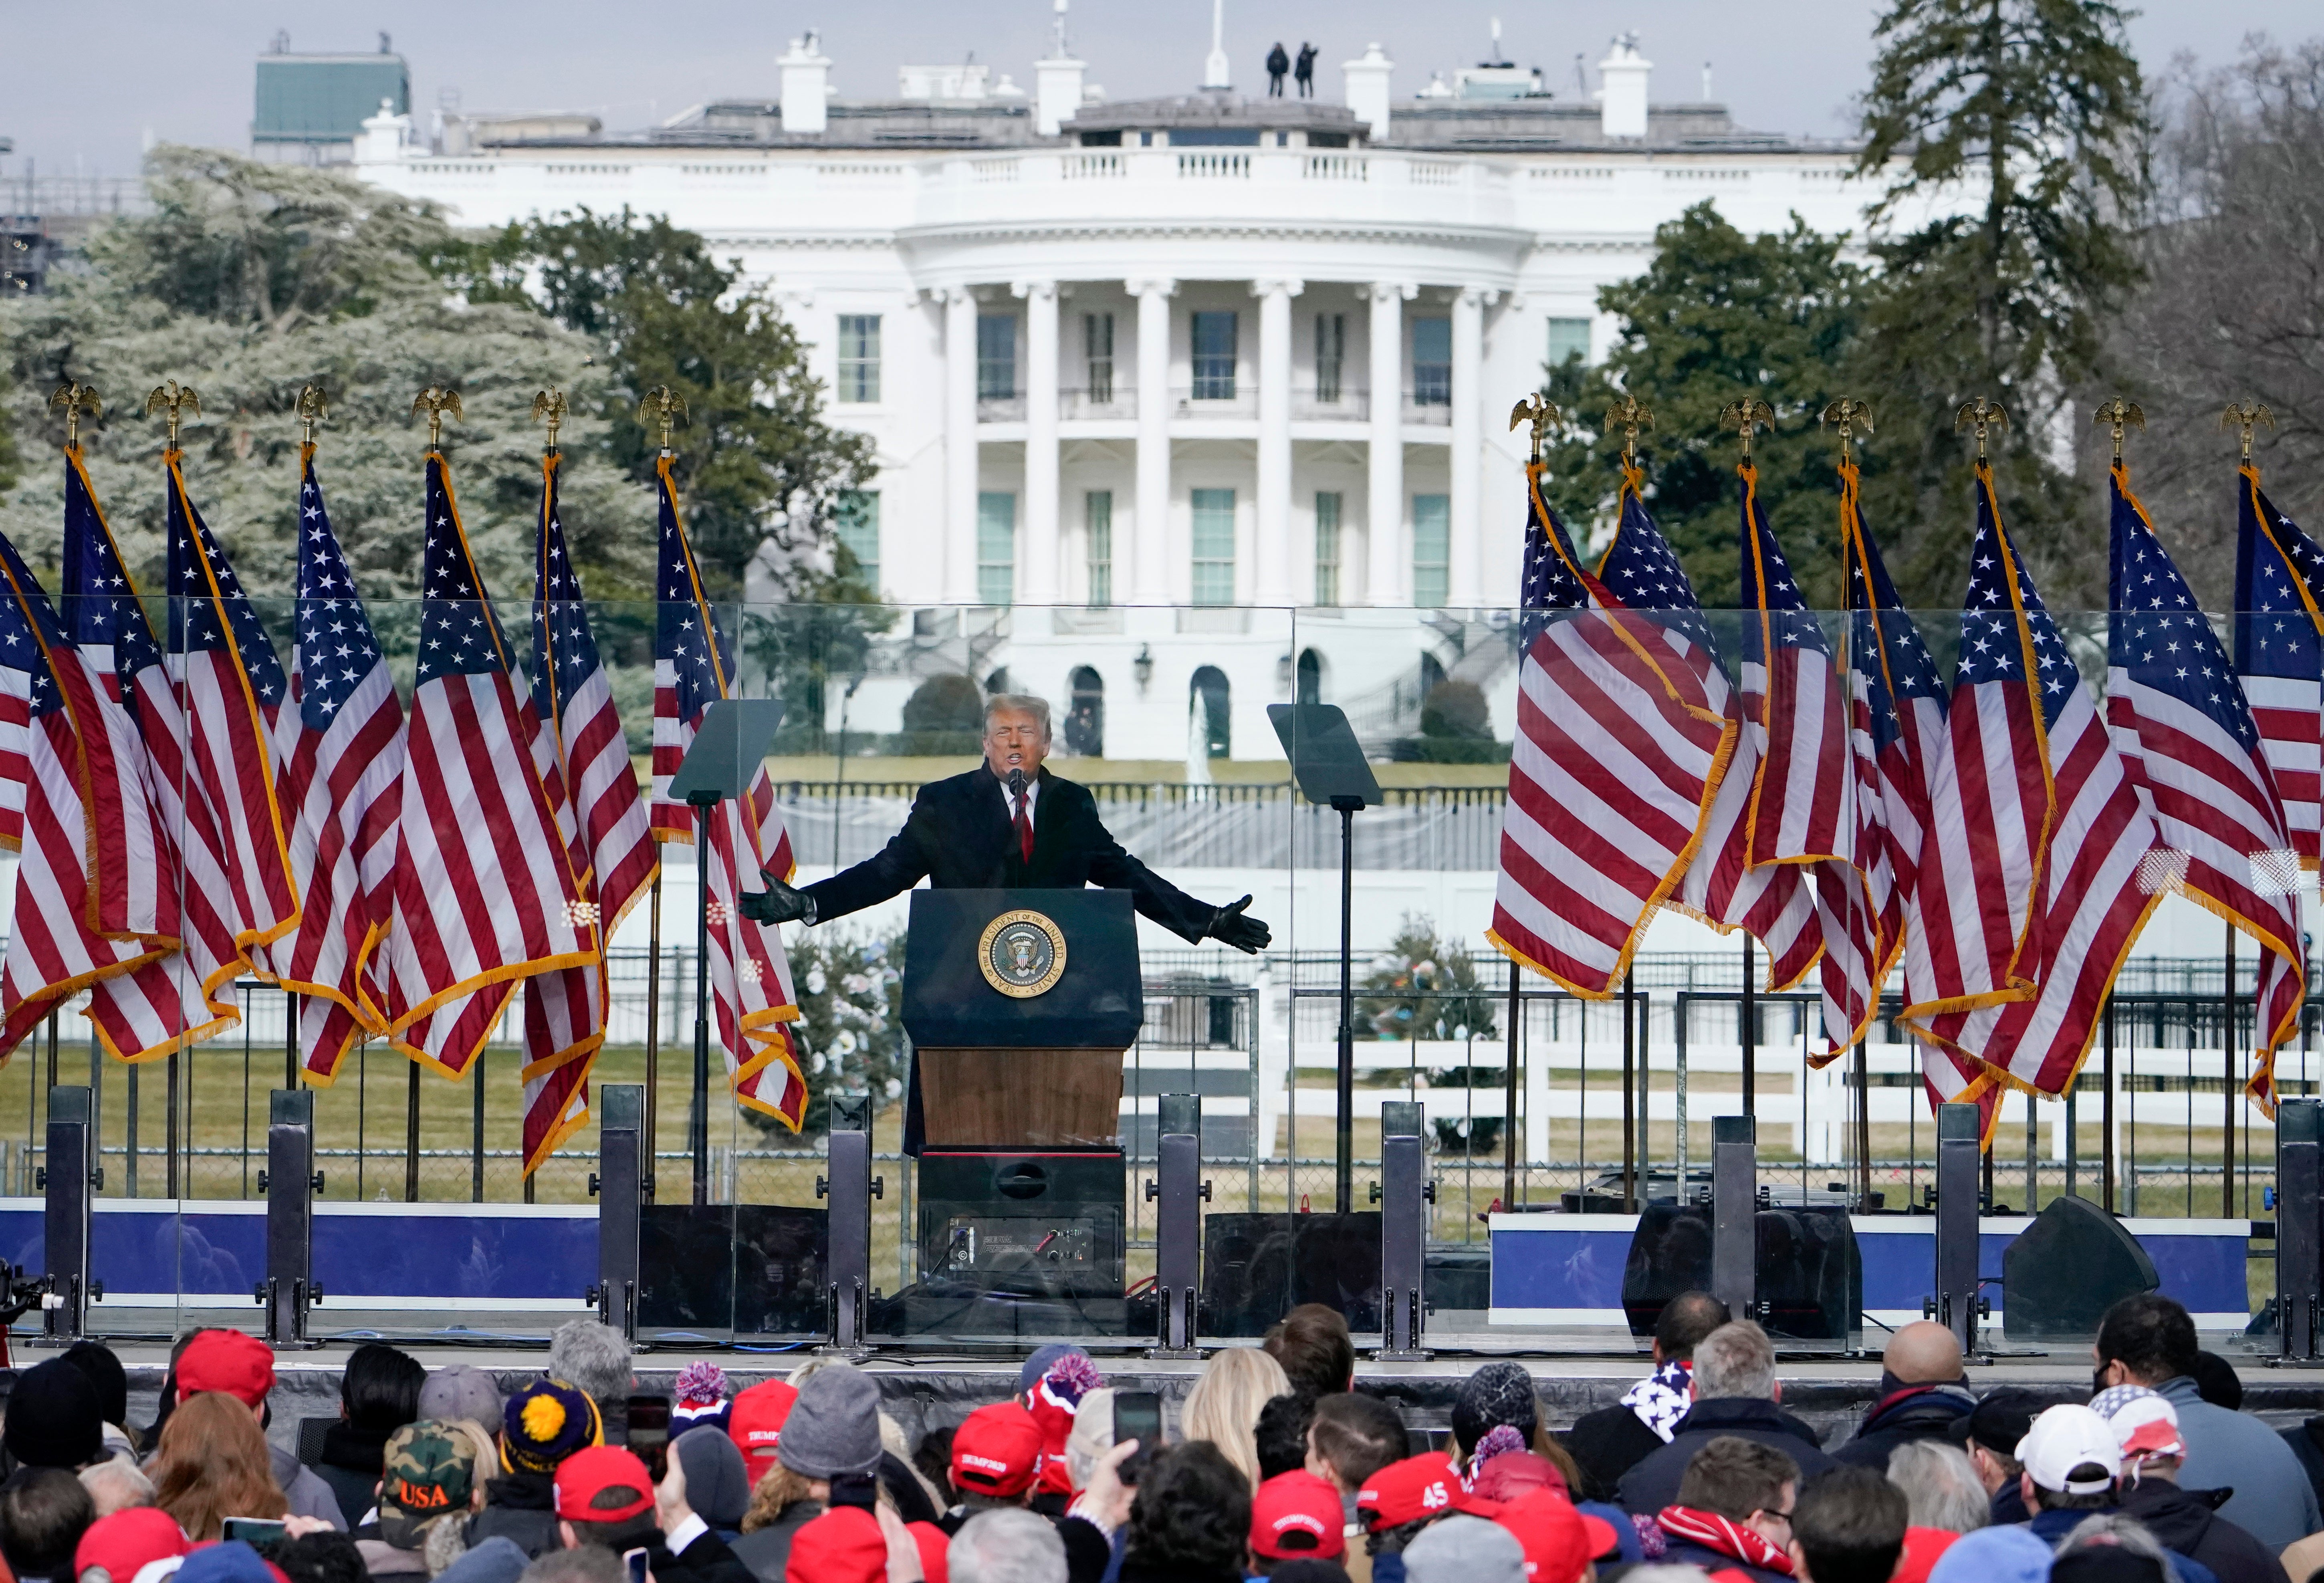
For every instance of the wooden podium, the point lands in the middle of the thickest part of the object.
(1019, 1004)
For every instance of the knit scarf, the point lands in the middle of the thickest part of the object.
(1724, 1535)
(1662, 1398)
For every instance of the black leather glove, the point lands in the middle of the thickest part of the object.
(1231, 927)
(778, 904)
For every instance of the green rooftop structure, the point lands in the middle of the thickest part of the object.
(310, 108)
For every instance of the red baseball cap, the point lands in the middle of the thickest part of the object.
(755, 1423)
(584, 1478)
(844, 1545)
(129, 1541)
(935, 1549)
(242, 1366)
(1559, 1542)
(1297, 1515)
(996, 1452)
(1408, 1491)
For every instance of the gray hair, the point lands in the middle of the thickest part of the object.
(116, 1485)
(588, 1563)
(595, 1358)
(1737, 1359)
(2127, 1533)
(1017, 704)
(1007, 1545)
(1941, 1486)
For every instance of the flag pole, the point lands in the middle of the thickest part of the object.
(653, 1012)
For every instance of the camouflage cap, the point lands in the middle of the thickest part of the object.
(432, 1469)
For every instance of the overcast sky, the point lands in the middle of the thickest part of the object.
(88, 82)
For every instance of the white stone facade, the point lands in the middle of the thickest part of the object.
(1206, 352)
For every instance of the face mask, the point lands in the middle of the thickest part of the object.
(2098, 1379)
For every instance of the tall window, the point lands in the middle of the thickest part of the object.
(996, 547)
(1431, 550)
(1432, 362)
(857, 521)
(1331, 354)
(1569, 338)
(996, 356)
(859, 357)
(1327, 547)
(1097, 509)
(1214, 545)
(1097, 347)
(1214, 356)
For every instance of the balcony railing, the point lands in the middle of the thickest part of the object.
(1000, 409)
(1348, 407)
(1196, 401)
(1118, 400)
(1429, 407)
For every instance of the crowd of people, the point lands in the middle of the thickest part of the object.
(1278, 1467)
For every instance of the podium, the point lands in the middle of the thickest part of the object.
(1019, 1004)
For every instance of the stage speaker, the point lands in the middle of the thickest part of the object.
(1257, 1268)
(2060, 1274)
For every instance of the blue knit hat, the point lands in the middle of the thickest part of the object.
(544, 1422)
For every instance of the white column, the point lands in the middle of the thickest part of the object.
(1150, 533)
(1273, 582)
(1467, 583)
(1385, 573)
(960, 446)
(1038, 570)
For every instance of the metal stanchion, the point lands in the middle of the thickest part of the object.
(2299, 1223)
(1957, 1303)
(619, 1184)
(850, 1188)
(1404, 1193)
(289, 1183)
(1178, 1220)
(68, 1179)
(1735, 1213)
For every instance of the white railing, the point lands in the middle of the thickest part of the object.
(1094, 167)
(1336, 168)
(999, 170)
(861, 170)
(724, 171)
(1434, 172)
(1573, 172)
(1704, 173)
(1235, 166)
(586, 172)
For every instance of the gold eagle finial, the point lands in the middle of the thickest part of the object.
(549, 407)
(665, 407)
(437, 401)
(1982, 415)
(2119, 415)
(1743, 416)
(172, 399)
(1630, 415)
(313, 408)
(76, 399)
(1541, 412)
(2247, 415)
(1848, 415)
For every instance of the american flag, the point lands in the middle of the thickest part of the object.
(1741, 877)
(1623, 729)
(485, 892)
(2184, 732)
(166, 1006)
(2279, 582)
(341, 746)
(2097, 880)
(54, 949)
(231, 688)
(614, 854)
(750, 980)
(1897, 708)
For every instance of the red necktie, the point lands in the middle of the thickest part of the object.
(1025, 825)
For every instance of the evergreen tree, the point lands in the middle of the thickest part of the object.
(1719, 316)
(758, 463)
(2035, 108)
(246, 282)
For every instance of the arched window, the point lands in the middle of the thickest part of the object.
(997, 682)
(1311, 676)
(1208, 693)
(1432, 671)
(1085, 719)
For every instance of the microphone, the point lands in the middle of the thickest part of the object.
(1016, 785)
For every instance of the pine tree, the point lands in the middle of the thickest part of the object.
(1719, 316)
(2035, 110)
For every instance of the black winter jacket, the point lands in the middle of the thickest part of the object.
(1606, 1444)
(1653, 1483)
(1917, 1412)
(2188, 1521)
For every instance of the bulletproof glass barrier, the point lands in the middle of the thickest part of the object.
(1807, 1273)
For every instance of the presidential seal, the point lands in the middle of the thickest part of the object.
(1022, 953)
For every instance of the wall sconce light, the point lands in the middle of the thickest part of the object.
(1143, 667)
(1283, 673)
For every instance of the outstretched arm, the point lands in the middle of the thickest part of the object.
(893, 869)
(1166, 904)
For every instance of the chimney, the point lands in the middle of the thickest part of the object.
(384, 136)
(1056, 83)
(1367, 89)
(1622, 90)
(806, 86)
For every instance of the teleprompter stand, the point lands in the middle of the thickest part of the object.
(1329, 764)
(729, 750)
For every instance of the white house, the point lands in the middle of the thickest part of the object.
(1173, 368)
